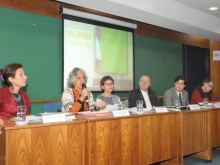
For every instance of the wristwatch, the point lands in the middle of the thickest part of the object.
(97, 108)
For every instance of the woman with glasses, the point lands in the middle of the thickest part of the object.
(107, 87)
(204, 90)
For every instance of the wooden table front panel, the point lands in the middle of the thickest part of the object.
(195, 131)
(136, 140)
(215, 127)
(55, 145)
(112, 141)
(160, 138)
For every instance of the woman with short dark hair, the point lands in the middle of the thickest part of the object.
(107, 87)
(13, 77)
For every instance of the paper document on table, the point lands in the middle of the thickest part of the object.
(33, 117)
(216, 105)
(161, 109)
(93, 113)
(52, 113)
(29, 118)
(194, 107)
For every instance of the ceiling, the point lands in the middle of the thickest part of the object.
(187, 16)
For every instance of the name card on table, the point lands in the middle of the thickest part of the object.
(53, 118)
(216, 105)
(161, 109)
(194, 107)
(120, 113)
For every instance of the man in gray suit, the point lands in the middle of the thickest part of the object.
(177, 93)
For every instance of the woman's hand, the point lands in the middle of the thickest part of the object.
(101, 105)
(1, 125)
(84, 93)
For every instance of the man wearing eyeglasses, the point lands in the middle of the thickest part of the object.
(177, 93)
(144, 92)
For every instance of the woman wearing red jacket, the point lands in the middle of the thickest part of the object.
(13, 77)
(203, 91)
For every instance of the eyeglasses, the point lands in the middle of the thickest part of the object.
(211, 86)
(109, 84)
(146, 82)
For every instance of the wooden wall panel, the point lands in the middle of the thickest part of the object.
(215, 68)
(43, 7)
(50, 8)
(170, 35)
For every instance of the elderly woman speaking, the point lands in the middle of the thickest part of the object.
(76, 97)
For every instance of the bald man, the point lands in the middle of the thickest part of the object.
(144, 93)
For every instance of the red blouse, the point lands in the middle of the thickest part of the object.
(8, 104)
(196, 97)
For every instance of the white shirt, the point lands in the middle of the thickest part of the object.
(147, 100)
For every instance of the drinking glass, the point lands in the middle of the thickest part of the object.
(139, 106)
(120, 106)
(21, 113)
(177, 105)
(205, 102)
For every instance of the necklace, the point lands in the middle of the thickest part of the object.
(17, 97)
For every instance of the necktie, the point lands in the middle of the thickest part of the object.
(180, 99)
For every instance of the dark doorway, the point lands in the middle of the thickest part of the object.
(196, 66)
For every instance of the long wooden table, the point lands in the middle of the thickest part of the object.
(105, 140)
(136, 139)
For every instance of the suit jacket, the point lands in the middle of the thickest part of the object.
(171, 95)
(136, 94)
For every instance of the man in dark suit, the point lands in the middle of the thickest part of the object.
(144, 93)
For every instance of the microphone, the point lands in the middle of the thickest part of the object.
(84, 86)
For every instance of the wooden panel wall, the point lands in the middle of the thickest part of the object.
(43, 7)
(215, 68)
(170, 35)
(50, 8)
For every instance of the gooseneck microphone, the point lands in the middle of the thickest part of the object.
(84, 86)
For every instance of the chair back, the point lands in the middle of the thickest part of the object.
(125, 102)
(52, 107)
(160, 101)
